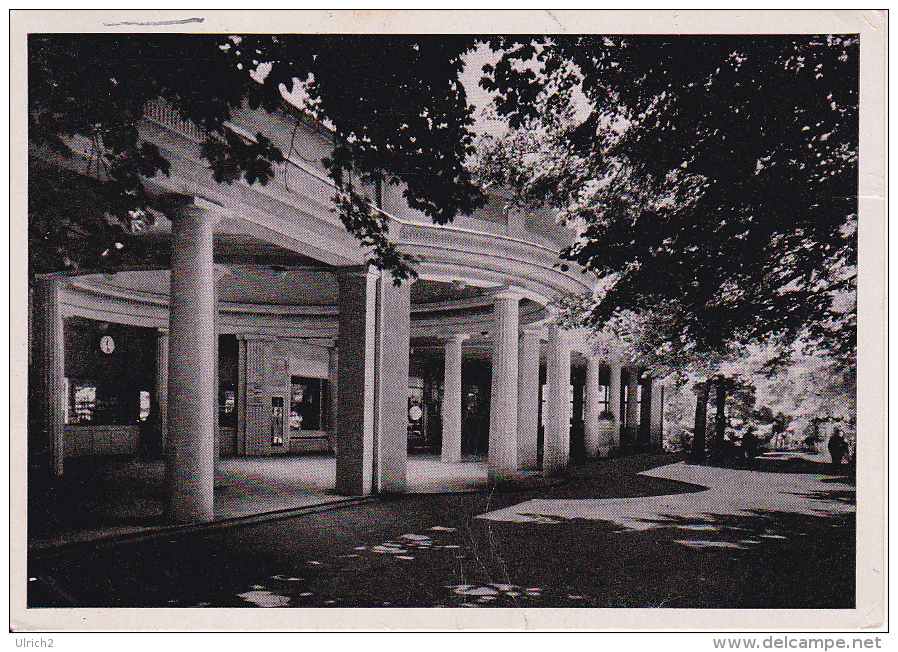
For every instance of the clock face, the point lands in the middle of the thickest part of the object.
(107, 344)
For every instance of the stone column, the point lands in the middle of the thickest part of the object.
(528, 399)
(593, 438)
(451, 452)
(502, 460)
(51, 362)
(657, 416)
(162, 382)
(557, 444)
(193, 357)
(632, 417)
(355, 387)
(393, 327)
(615, 395)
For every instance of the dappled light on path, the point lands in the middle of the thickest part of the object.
(728, 492)
(263, 598)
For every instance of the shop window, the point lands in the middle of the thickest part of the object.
(605, 400)
(277, 420)
(83, 404)
(417, 418)
(144, 405)
(309, 404)
(100, 404)
(227, 407)
(571, 404)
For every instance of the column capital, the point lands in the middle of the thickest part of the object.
(508, 292)
(559, 330)
(388, 277)
(357, 271)
(195, 207)
(254, 337)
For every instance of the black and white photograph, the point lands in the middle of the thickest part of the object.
(519, 320)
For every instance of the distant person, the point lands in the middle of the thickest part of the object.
(837, 448)
(750, 448)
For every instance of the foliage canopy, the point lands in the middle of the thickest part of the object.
(715, 176)
(396, 107)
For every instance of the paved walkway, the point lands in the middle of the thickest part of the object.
(719, 492)
(114, 498)
(431, 550)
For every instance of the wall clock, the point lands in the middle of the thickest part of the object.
(107, 344)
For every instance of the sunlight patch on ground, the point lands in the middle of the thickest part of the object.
(475, 595)
(264, 598)
(708, 544)
(730, 492)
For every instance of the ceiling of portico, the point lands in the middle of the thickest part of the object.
(245, 250)
(281, 284)
(426, 291)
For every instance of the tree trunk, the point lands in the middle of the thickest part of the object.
(720, 425)
(703, 392)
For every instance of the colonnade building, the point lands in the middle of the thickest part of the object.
(256, 329)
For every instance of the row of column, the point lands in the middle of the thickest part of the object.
(371, 395)
(514, 395)
(372, 367)
(514, 400)
(187, 361)
(372, 387)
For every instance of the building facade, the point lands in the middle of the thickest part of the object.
(258, 330)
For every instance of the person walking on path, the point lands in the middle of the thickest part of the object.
(837, 448)
(750, 449)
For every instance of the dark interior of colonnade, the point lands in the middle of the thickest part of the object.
(118, 389)
(114, 386)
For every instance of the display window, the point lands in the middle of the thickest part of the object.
(309, 404)
(82, 403)
(144, 403)
(227, 406)
(277, 421)
(417, 416)
(89, 402)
